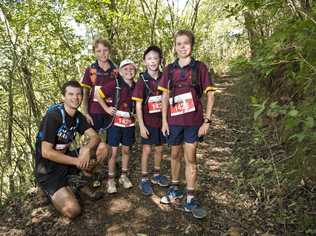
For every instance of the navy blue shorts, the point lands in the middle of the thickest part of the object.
(155, 137)
(100, 121)
(56, 176)
(117, 135)
(183, 134)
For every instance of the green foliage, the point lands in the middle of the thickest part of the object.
(281, 71)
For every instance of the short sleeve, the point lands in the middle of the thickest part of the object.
(86, 81)
(50, 125)
(138, 92)
(163, 83)
(107, 90)
(205, 79)
(83, 124)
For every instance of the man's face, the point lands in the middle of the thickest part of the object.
(102, 53)
(152, 61)
(128, 71)
(183, 46)
(72, 97)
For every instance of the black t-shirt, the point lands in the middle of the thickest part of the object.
(53, 121)
(49, 127)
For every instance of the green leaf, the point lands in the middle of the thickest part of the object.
(293, 113)
(309, 122)
(300, 137)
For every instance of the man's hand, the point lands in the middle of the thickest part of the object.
(111, 111)
(89, 119)
(203, 129)
(165, 129)
(144, 132)
(83, 158)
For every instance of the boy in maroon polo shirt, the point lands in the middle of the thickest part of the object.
(148, 110)
(122, 129)
(101, 72)
(183, 83)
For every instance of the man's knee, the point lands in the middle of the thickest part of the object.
(71, 209)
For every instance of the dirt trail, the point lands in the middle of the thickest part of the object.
(131, 213)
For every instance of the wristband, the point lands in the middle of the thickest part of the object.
(207, 121)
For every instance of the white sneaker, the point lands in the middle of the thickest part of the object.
(124, 180)
(111, 186)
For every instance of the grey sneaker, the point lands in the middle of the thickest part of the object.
(124, 180)
(111, 186)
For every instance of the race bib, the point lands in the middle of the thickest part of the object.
(123, 119)
(96, 90)
(154, 104)
(183, 103)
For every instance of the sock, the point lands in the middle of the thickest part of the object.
(156, 171)
(175, 184)
(190, 195)
(144, 176)
(111, 176)
(124, 172)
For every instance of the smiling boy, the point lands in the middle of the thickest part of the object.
(183, 83)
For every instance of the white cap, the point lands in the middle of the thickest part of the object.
(127, 62)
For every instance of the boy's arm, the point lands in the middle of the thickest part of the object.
(209, 104)
(85, 105)
(165, 104)
(209, 107)
(139, 113)
(105, 107)
(87, 86)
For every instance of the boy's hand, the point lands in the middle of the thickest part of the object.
(165, 129)
(89, 119)
(203, 129)
(111, 111)
(144, 132)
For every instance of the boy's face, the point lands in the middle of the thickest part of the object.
(183, 46)
(72, 97)
(128, 71)
(102, 53)
(152, 61)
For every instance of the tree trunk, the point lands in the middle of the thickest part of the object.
(10, 132)
(250, 27)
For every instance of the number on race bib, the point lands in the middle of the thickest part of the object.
(183, 103)
(154, 104)
(123, 119)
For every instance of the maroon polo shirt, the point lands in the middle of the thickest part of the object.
(141, 93)
(183, 75)
(101, 79)
(125, 101)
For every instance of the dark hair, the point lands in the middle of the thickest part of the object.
(71, 83)
(187, 33)
(102, 41)
(155, 49)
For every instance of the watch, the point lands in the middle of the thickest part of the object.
(207, 121)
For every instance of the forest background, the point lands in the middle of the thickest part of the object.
(269, 44)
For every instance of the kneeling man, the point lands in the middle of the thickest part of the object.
(54, 161)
